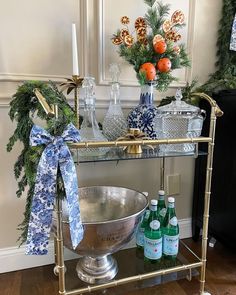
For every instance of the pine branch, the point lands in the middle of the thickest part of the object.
(155, 17)
(164, 80)
(23, 106)
(225, 55)
(150, 3)
(152, 20)
(163, 9)
(225, 76)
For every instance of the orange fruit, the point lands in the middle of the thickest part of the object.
(160, 47)
(149, 69)
(164, 65)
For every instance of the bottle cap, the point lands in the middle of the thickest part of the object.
(154, 202)
(171, 200)
(161, 192)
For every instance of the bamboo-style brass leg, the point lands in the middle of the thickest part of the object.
(162, 174)
(55, 270)
(76, 106)
(207, 200)
(189, 275)
(60, 249)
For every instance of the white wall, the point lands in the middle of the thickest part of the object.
(35, 43)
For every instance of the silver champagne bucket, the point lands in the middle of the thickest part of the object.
(110, 216)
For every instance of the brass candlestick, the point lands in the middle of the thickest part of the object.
(74, 84)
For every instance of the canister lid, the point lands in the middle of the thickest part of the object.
(179, 107)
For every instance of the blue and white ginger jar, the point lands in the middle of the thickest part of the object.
(143, 115)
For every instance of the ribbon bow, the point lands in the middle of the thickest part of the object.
(233, 35)
(55, 154)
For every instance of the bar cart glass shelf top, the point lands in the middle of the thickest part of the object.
(139, 274)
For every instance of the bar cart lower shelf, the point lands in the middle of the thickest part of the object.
(138, 274)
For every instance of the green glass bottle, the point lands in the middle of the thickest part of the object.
(141, 229)
(153, 236)
(170, 231)
(161, 208)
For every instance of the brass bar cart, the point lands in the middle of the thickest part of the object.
(201, 261)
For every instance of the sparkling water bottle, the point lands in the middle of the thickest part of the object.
(153, 236)
(141, 229)
(161, 208)
(170, 231)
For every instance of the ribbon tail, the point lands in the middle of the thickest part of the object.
(42, 205)
(69, 175)
(233, 36)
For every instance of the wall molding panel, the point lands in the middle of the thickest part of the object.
(21, 77)
(102, 104)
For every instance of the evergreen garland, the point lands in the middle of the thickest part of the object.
(225, 56)
(23, 109)
(139, 53)
(225, 76)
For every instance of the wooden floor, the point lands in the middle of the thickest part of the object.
(221, 279)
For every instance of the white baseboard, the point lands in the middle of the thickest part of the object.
(14, 258)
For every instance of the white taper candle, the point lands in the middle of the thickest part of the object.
(74, 51)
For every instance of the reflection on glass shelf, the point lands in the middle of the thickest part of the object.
(131, 263)
(118, 154)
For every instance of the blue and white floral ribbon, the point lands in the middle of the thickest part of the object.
(233, 36)
(56, 154)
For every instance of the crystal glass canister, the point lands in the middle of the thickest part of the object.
(178, 120)
(89, 130)
(114, 124)
(143, 115)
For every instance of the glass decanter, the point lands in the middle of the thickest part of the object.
(89, 128)
(114, 124)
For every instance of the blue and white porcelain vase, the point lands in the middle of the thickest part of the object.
(143, 115)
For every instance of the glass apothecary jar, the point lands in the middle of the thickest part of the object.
(178, 120)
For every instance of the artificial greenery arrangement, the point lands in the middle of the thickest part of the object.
(152, 48)
(225, 76)
(23, 109)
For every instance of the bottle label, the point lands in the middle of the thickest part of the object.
(161, 197)
(173, 221)
(153, 207)
(163, 212)
(147, 214)
(171, 205)
(170, 245)
(155, 224)
(152, 248)
(140, 237)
